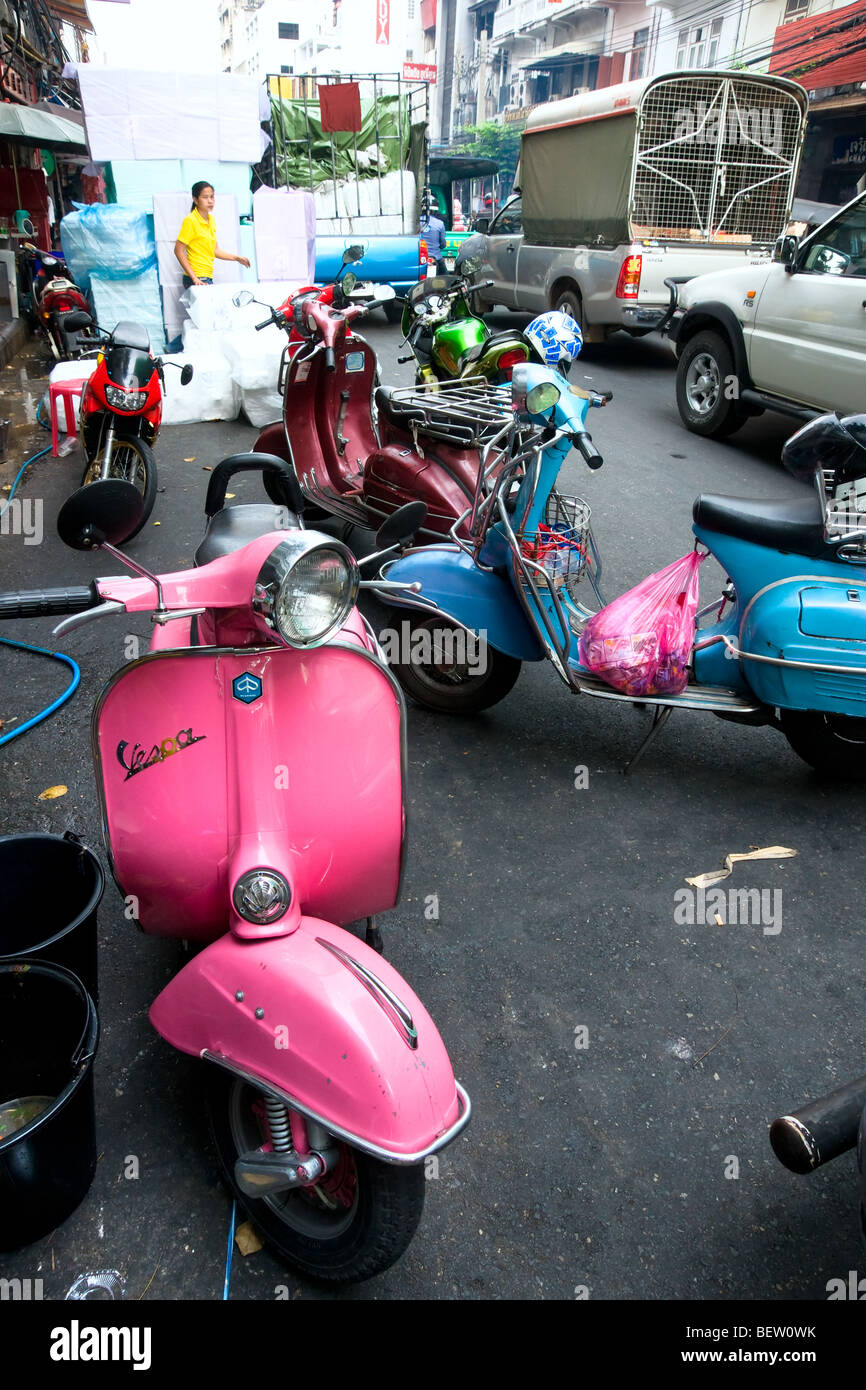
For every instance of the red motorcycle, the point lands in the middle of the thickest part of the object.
(360, 451)
(121, 412)
(58, 307)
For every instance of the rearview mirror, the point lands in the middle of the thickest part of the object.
(401, 525)
(353, 253)
(482, 224)
(242, 298)
(348, 282)
(788, 251)
(470, 265)
(186, 374)
(106, 511)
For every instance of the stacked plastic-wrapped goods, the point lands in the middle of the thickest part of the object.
(112, 254)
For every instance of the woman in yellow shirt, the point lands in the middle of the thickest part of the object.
(196, 245)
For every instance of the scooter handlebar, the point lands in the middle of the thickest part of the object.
(583, 442)
(806, 1138)
(48, 603)
(266, 323)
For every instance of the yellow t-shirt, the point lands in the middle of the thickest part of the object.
(200, 239)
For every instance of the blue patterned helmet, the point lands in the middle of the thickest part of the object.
(556, 338)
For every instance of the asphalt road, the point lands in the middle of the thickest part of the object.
(623, 1067)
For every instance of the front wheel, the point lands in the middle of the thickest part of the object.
(354, 1223)
(707, 388)
(446, 669)
(833, 744)
(133, 462)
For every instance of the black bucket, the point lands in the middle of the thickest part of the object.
(50, 888)
(49, 1032)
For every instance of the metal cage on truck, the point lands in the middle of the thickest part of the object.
(709, 157)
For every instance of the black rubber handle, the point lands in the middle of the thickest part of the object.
(48, 603)
(283, 489)
(589, 451)
(410, 358)
(265, 324)
(809, 1137)
(330, 360)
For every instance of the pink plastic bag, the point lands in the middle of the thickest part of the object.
(641, 642)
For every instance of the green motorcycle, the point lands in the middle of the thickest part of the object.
(450, 341)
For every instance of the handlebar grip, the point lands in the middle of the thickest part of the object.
(330, 359)
(593, 458)
(410, 358)
(281, 484)
(265, 323)
(821, 1130)
(48, 603)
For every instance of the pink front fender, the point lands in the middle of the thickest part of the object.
(291, 1012)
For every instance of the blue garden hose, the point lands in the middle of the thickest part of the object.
(25, 647)
(230, 1250)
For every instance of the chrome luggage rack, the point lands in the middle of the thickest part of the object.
(465, 413)
(844, 511)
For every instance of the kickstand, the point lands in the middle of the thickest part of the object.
(661, 715)
(373, 936)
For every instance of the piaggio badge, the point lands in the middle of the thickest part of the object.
(247, 687)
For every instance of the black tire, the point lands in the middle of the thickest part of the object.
(393, 310)
(569, 302)
(133, 461)
(704, 370)
(448, 687)
(833, 744)
(326, 1236)
(861, 1174)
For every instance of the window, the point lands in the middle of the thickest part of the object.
(839, 248)
(510, 220)
(284, 67)
(795, 9)
(638, 54)
(289, 31)
(698, 47)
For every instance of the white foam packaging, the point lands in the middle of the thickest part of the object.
(255, 364)
(212, 394)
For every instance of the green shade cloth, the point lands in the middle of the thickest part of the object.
(298, 138)
(26, 126)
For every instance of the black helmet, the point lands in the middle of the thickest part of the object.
(830, 444)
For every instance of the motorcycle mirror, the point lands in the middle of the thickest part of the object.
(27, 227)
(108, 510)
(401, 525)
(349, 282)
(186, 374)
(353, 253)
(542, 397)
(470, 265)
(242, 298)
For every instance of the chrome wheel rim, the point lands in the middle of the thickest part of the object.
(126, 464)
(703, 383)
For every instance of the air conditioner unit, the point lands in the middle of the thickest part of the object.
(580, 91)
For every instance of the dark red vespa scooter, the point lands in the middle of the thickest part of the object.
(425, 446)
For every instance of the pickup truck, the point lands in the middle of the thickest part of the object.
(629, 187)
(398, 261)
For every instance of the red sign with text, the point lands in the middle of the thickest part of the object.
(419, 72)
(383, 21)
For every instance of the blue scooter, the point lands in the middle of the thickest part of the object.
(787, 646)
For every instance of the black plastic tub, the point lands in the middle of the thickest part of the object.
(49, 1031)
(50, 889)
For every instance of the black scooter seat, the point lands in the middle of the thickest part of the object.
(399, 413)
(234, 527)
(478, 349)
(793, 525)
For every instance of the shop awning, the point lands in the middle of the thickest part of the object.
(73, 12)
(561, 57)
(24, 125)
(829, 51)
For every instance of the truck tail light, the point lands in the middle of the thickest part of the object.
(423, 258)
(629, 278)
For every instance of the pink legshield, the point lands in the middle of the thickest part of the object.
(329, 1041)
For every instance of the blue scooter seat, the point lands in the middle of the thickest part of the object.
(794, 525)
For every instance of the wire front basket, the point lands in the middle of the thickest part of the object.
(562, 544)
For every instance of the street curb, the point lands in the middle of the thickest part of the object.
(13, 337)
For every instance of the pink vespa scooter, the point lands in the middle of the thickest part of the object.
(250, 773)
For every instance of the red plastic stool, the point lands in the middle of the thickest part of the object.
(67, 391)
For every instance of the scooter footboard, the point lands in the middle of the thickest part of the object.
(331, 1026)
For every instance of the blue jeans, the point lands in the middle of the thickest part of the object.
(187, 281)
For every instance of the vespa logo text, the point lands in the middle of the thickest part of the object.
(139, 758)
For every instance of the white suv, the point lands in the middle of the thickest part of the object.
(786, 335)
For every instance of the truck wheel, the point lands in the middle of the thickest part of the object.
(393, 310)
(568, 302)
(704, 371)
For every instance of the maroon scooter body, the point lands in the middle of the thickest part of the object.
(328, 435)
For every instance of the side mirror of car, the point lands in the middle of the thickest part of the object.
(788, 248)
(482, 224)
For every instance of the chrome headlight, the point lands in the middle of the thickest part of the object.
(125, 400)
(306, 588)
